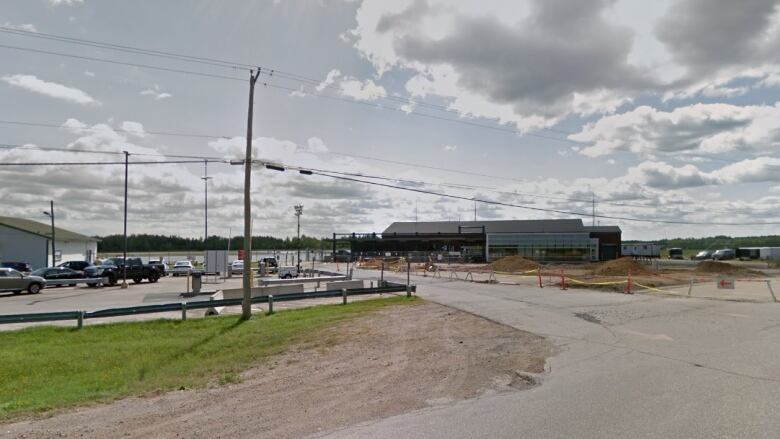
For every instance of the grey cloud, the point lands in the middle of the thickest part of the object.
(410, 15)
(709, 34)
(562, 48)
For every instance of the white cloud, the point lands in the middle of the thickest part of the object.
(88, 73)
(156, 93)
(28, 27)
(51, 89)
(450, 147)
(65, 2)
(134, 128)
(366, 90)
(698, 128)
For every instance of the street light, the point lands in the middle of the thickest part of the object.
(50, 214)
(206, 179)
(298, 213)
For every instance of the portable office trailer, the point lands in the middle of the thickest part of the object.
(643, 250)
(770, 253)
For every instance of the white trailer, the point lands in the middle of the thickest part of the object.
(770, 253)
(642, 250)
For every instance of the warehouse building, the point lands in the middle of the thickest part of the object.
(540, 240)
(23, 240)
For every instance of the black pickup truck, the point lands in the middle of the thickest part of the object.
(113, 270)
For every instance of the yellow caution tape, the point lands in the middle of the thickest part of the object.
(649, 288)
(594, 283)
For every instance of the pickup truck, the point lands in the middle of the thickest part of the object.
(113, 270)
(288, 272)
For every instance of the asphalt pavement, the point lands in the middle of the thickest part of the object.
(629, 366)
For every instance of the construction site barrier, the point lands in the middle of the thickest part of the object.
(387, 287)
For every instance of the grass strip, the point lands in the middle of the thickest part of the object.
(46, 368)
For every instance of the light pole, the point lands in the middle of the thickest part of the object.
(298, 213)
(124, 254)
(50, 213)
(206, 179)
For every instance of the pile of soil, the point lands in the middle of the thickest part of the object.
(511, 264)
(717, 267)
(621, 267)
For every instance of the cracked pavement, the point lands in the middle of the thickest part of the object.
(638, 366)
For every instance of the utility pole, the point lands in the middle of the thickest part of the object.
(475, 210)
(124, 261)
(50, 213)
(246, 304)
(298, 213)
(594, 209)
(206, 179)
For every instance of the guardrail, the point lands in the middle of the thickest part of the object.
(80, 316)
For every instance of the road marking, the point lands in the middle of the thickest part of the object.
(661, 337)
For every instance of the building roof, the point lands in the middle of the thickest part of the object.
(505, 226)
(43, 230)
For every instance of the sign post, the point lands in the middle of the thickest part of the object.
(726, 284)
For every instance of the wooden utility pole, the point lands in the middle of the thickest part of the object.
(246, 304)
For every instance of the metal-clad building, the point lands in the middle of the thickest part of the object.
(23, 240)
(541, 240)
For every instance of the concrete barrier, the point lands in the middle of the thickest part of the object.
(345, 284)
(215, 310)
(298, 280)
(238, 293)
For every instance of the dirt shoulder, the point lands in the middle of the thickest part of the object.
(386, 363)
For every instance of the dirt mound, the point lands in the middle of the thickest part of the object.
(715, 267)
(510, 264)
(620, 267)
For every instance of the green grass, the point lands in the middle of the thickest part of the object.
(45, 368)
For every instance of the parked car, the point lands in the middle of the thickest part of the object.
(703, 255)
(182, 268)
(237, 267)
(159, 264)
(723, 254)
(75, 265)
(675, 253)
(16, 282)
(343, 255)
(58, 273)
(271, 266)
(288, 272)
(114, 269)
(21, 267)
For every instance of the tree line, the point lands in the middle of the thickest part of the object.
(717, 242)
(161, 243)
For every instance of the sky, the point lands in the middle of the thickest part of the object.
(661, 112)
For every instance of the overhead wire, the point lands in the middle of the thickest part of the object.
(225, 64)
(293, 89)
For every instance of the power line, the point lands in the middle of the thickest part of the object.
(222, 63)
(162, 162)
(119, 130)
(540, 209)
(291, 89)
(87, 151)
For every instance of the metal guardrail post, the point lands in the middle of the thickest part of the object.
(344, 296)
(270, 304)
(382, 275)
(408, 291)
(690, 288)
(80, 323)
(183, 311)
(771, 291)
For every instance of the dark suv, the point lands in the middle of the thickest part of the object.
(270, 265)
(75, 265)
(21, 267)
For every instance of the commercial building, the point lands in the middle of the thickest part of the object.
(23, 240)
(540, 240)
